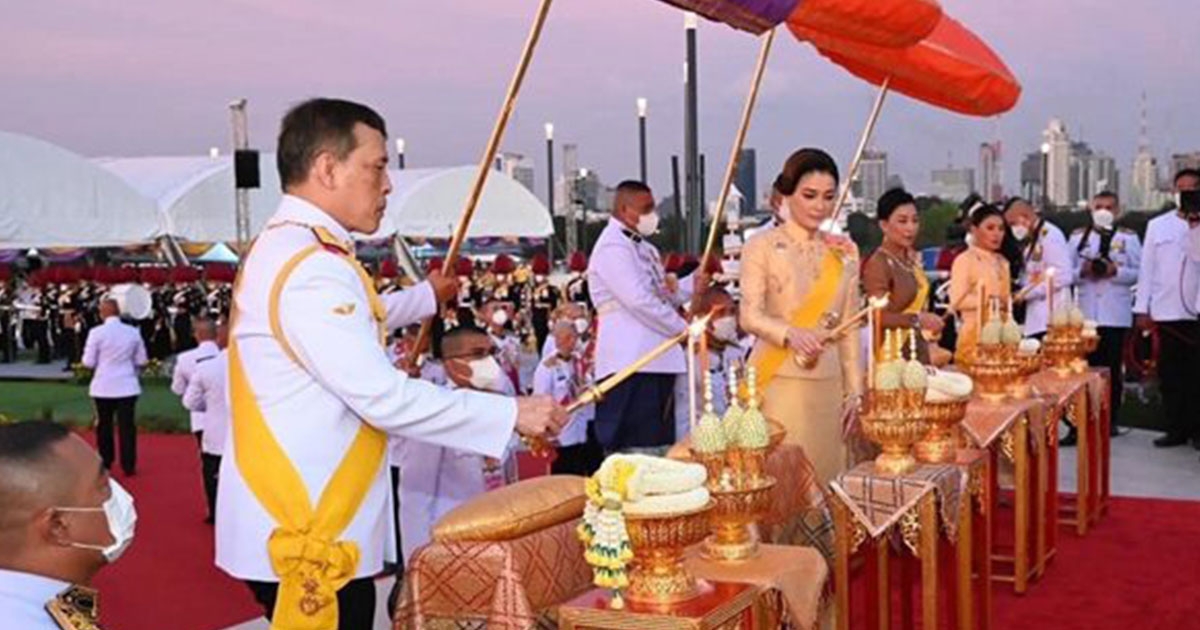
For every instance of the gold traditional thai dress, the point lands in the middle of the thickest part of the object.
(791, 279)
(971, 268)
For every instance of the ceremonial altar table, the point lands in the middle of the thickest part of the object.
(908, 512)
(1084, 401)
(1016, 430)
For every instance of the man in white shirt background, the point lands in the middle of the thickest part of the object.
(1166, 302)
(63, 520)
(564, 374)
(115, 352)
(204, 332)
(205, 397)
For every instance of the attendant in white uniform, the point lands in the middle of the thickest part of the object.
(312, 391)
(436, 479)
(1043, 247)
(206, 396)
(204, 331)
(115, 352)
(565, 375)
(62, 521)
(1106, 261)
(725, 351)
(1166, 303)
(636, 313)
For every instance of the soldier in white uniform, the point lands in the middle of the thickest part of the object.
(302, 504)
(63, 520)
(1043, 247)
(1166, 301)
(1106, 261)
(636, 313)
(204, 330)
(565, 374)
(206, 396)
(116, 352)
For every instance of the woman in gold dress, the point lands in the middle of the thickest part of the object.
(798, 283)
(982, 264)
(894, 270)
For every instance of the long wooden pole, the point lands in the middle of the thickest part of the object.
(489, 153)
(868, 131)
(764, 53)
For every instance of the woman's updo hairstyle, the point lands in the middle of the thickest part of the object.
(981, 212)
(891, 200)
(802, 163)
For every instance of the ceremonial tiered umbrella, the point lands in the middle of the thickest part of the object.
(882, 22)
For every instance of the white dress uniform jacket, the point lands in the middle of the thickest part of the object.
(185, 366)
(1107, 301)
(1050, 252)
(1167, 280)
(207, 395)
(561, 379)
(23, 598)
(314, 408)
(115, 351)
(636, 312)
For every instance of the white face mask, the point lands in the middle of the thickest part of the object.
(582, 325)
(647, 224)
(1103, 219)
(539, 278)
(500, 317)
(121, 516)
(1020, 232)
(486, 375)
(970, 240)
(726, 329)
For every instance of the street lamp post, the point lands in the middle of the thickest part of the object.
(550, 189)
(691, 142)
(1045, 176)
(641, 109)
(400, 153)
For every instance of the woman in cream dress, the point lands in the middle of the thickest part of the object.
(982, 263)
(797, 284)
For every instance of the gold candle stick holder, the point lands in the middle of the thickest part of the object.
(940, 444)
(735, 511)
(895, 420)
(657, 576)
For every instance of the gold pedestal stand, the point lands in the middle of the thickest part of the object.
(735, 511)
(993, 368)
(657, 576)
(895, 420)
(940, 443)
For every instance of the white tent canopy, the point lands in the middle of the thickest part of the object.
(196, 194)
(427, 203)
(51, 197)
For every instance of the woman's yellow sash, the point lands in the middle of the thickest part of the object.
(814, 305)
(311, 563)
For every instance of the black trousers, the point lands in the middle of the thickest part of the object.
(638, 413)
(210, 466)
(121, 410)
(1178, 374)
(39, 335)
(1111, 354)
(356, 602)
(579, 459)
(396, 520)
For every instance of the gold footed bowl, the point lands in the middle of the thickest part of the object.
(1061, 349)
(734, 512)
(657, 576)
(895, 421)
(1027, 366)
(940, 443)
(993, 371)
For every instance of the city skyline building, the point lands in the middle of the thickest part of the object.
(991, 186)
(952, 184)
(518, 167)
(1057, 143)
(746, 179)
(872, 178)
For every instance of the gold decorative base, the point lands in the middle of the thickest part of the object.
(895, 420)
(939, 449)
(733, 517)
(657, 575)
(719, 551)
(994, 369)
(895, 464)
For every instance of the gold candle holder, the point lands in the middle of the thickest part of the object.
(940, 444)
(657, 576)
(895, 420)
(735, 510)
(1061, 347)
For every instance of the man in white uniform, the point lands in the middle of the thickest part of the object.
(565, 374)
(1166, 302)
(302, 503)
(1106, 261)
(204, 330)
(206, 397)
(115, 351)
(62, 521)
(636, 313)
(1043, 247)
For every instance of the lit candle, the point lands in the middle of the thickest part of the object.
(691, 367)
(704, 359)
(871, 349)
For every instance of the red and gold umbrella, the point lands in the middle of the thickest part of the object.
(879, 22)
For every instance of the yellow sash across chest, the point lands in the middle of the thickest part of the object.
(820, 300)
(312, 564)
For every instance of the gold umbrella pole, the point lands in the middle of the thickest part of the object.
(868, 131)
(489, 153)
(764, 53)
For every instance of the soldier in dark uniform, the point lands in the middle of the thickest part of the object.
(577, 286)
(8, 343)
(543, 299)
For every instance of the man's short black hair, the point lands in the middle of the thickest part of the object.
(316, 125)
(1108, 194)
(451, 336)
(632, 186)
(1186, 172)
(29, 441)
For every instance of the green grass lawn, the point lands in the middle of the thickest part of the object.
(158, 409)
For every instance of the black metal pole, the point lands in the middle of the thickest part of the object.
(550, 196)
(642, 148)
(1045, 181)
(703, 202)
(678, 203)
(691, 142)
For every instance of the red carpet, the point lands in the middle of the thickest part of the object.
(1134, 570)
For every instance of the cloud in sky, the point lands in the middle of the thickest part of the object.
(148, 77)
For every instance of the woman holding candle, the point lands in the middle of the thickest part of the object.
(979, 275)
(894, 271)
(798, 284)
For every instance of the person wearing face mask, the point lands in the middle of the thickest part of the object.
(798, 283)
(565, 375)
(894, 270)
(982, 264)
(1166, 305)
(1106, 261)
(636, 313)
(574, 314)
(62, 520)
(436, 479)
(508, 346)
(724, 348)
(1043, 247)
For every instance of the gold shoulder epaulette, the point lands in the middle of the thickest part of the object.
(75, 609)
(329, 241)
